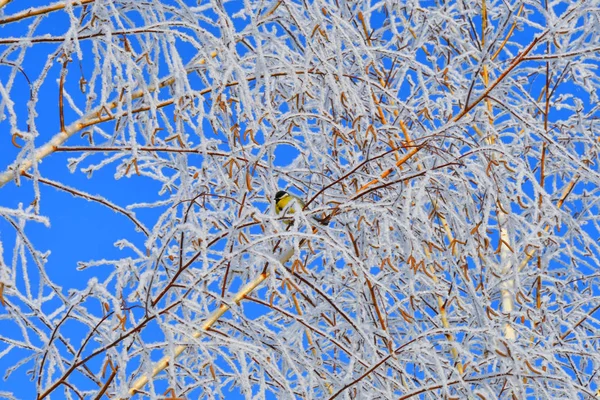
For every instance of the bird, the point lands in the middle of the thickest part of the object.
(283, 200)
(286, 203)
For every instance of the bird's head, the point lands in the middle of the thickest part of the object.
(280, 195)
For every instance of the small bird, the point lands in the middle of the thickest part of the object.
(283, 200)
(287, 203)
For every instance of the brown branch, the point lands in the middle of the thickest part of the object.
(86, 196)
(562, 56)
(32, 12)
(384, 359)
(510, 32)
(570, 330)
(385, 173)
(75, 365)
(529, 254)
(107, 384)
(4, 2)
(352, 171)
(515, 62)
(95, 117)
(350, 353)
(191, 261)
(101, 114)
(63, 379)
(61, 85)
(214, 317)
(62, 136)
(493, 376)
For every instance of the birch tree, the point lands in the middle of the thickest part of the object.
(450, 147)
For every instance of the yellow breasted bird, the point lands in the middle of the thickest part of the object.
(289, 203)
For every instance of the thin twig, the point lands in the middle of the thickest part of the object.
(32, 12)
(107, 384)
(97, 199)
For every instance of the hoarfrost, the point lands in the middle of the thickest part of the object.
(447, 155)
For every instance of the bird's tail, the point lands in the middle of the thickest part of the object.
(322, 220)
